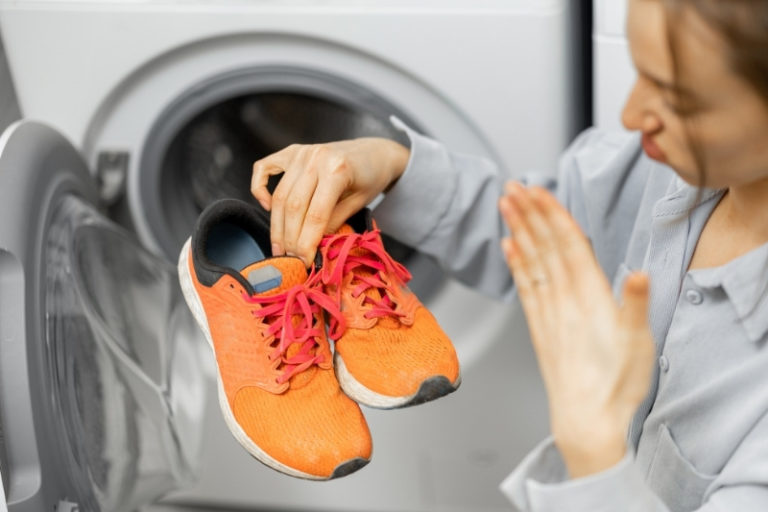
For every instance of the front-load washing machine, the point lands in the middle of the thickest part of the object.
(170, 102)
(101, 364)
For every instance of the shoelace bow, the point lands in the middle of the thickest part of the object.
(370, 256)
(279, 311)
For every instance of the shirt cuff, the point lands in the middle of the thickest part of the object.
(424, 191)
(541, 484)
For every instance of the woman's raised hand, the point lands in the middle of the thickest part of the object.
(595, 355)
(322, 186)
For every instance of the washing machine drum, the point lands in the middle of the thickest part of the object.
(202, 148)
(101, 399)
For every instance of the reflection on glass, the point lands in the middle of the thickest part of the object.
(126, 360)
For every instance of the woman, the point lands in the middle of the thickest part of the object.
(658, 400)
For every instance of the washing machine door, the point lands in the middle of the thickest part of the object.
(100, 361)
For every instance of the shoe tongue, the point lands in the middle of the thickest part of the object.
(274, 275)
(346, 229)
(371, 292)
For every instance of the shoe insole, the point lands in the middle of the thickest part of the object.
(231, 246)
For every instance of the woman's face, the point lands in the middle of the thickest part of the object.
(725, 115)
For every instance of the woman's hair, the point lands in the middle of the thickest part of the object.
(743, 25)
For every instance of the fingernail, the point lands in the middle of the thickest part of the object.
(277, 250)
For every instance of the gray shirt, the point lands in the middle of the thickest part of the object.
(700, 439)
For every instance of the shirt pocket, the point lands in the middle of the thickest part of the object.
(680, 485)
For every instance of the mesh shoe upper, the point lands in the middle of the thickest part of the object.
(282, 401)
(389, 344)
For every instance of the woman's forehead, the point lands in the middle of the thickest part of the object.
(655, 29)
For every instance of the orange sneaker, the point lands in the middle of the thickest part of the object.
(277, 390)
(389, 351)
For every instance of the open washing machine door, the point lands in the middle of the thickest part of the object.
(101, 396)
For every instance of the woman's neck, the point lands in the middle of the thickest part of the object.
(738, 224)
(745, 208)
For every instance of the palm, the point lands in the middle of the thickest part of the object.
(595, 356)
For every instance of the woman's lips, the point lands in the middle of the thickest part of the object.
(652, 149)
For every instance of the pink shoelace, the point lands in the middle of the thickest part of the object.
(279, 310)
(370, 264)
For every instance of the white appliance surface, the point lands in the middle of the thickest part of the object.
(491, 77)
(613, 69)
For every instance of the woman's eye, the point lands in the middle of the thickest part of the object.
(681, 103)
(681, 108)
(672, 106)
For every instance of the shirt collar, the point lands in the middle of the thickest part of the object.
(744, 278)
(682, 198)
(744, 281)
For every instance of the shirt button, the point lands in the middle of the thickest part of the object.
(664, 364)
(694, 297)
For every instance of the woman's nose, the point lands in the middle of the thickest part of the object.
(638, 113)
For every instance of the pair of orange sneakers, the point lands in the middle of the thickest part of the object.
(285, 397)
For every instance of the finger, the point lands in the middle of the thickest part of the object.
(634, 308)
(579, 259)
(516, 209)
(520, 273)
(526, 290)
(513, 216)
(295, 210)
(263, 169)
(280, 196)
(318, 216)
(534, 284)
(544, 236)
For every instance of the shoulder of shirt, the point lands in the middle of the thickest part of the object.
(597, 150)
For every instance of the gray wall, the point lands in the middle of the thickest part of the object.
(9, 106)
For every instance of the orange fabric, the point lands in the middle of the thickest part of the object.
(242, 357)
(395, 360)
(307, 423)
(391, 355)
(337, 426)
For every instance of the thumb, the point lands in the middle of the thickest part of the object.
(634, 309)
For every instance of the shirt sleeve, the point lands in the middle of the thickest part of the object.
(446, 204)
(540, 483)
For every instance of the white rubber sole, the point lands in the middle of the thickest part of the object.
(431, 389)
(193, 301)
